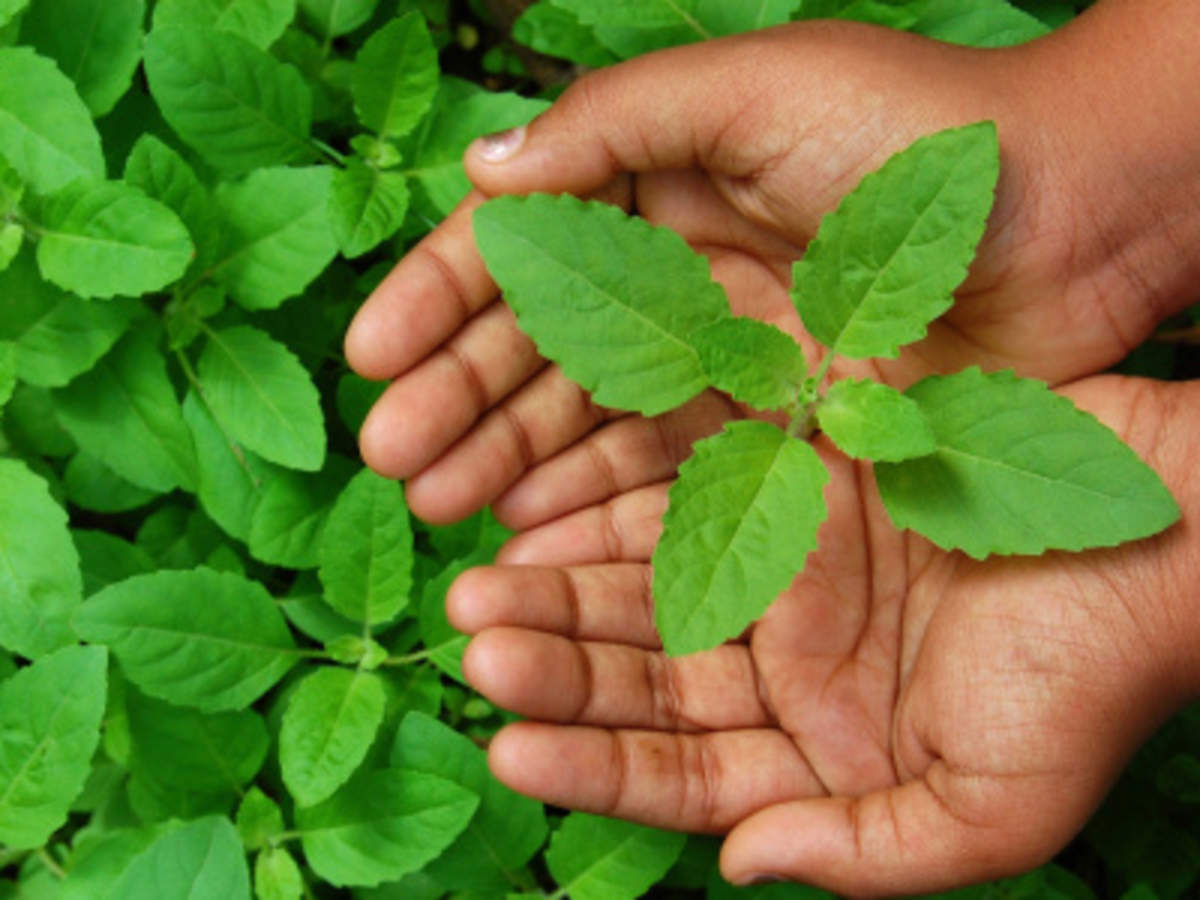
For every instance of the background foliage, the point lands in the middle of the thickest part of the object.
(226, 666)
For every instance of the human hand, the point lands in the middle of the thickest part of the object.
(741, 145)
(901, 720)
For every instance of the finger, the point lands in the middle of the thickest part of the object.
(686, 782)
(932, 834)
(628, 453)
(438, 285)
(623, 529)
(587, 603)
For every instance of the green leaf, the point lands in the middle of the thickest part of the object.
(12, 238)
(92, 485)
(367, 550)
(201, 860)
(741, 519)
(1018, 469)
(235, 104)
(366, 206)
(287, 523)
(40, 581)
(383, 825)
(868, 420)
(8, 371)
(104, 238)
(636, 13)
(395, 76)
(276, 876)
(124, 411)
(106, 558)
(721, 18)
(10, 9)
(261, 22)
(329, 725)
(263, 396)
(275, 249)
(442, 641)
(751, 361)
(506, 830)
(50, 716)
(984, 23)
(46, 134)
(594, 858)
(556, 32)
(58, 335)
(333, 18)
(885, 264)
(619, 331)
(197, 638)
(100, 50)
(258, 819)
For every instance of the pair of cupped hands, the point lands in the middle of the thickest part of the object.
(902, 719)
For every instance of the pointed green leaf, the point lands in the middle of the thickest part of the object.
(506, 830)
(98, 52)
(556, 32)
(869, 420)
(46, 134)
(288, 521)
(202, 860)
(635, 13)
(367, 550)
(395, 76)
(275, 249)
(594, 858)
(40, 581)
(106, 558)
(984, 23)
(261, 22)
(258, 819)
(276, 876)
(50, 716)
(885, 263)
(259, 391)
(366, 206)
(721, 18)
(383, 825)
(124, 411)
(198, 638)
(329, 725)
(235, 104)
(333, 18)
(751, 361)
(92, 485)
(57, 335)
(105, 238)
(10, 9)
(1018, 469)
(620, 331)
(742, 518)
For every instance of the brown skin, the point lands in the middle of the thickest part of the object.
(902, 719)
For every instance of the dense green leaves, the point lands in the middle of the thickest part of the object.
(868, 420)
(754, 362)
(198, 638)
(887, 261)
(593, 858)
(742, 517)
(1011, 457)
(619, 331)
(395, 76)
(50, 719)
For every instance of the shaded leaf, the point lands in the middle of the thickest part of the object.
(92, 485)
(287, 523)
(333, 18)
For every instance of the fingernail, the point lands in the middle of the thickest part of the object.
(500, 146)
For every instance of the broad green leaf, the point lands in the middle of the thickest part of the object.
(99, 50)
(263, 397)
(275, 249)
(31, 424)
(548, 29)
(751, 361)
(92, 485)
(124, 411)
(594, 858)
(106, 558)
(287, 524)
(276, 875)
(46, 134)
(235, 104)
(620, 331)
(329, 725)
(12, 237)
(101, 857)
(395, 76)
(869, 420)
(197, 638)
(10, 9)
(178, 537)
(637, 13)
(506, 830)
(57, 335)
(367, 550)
(885, 263)
(258, 819)
(383, 825)
(442, 641)
(50, 716)
(1018, 469)
(261, 22)
(366, 206)
(333, 18)
(105, 238)
(310, 614)
(40, 581)
(741, 519)
(202, 860)
(983, 23)
(720, 17)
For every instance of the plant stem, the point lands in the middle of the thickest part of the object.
(51, 863)
(339, 158)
